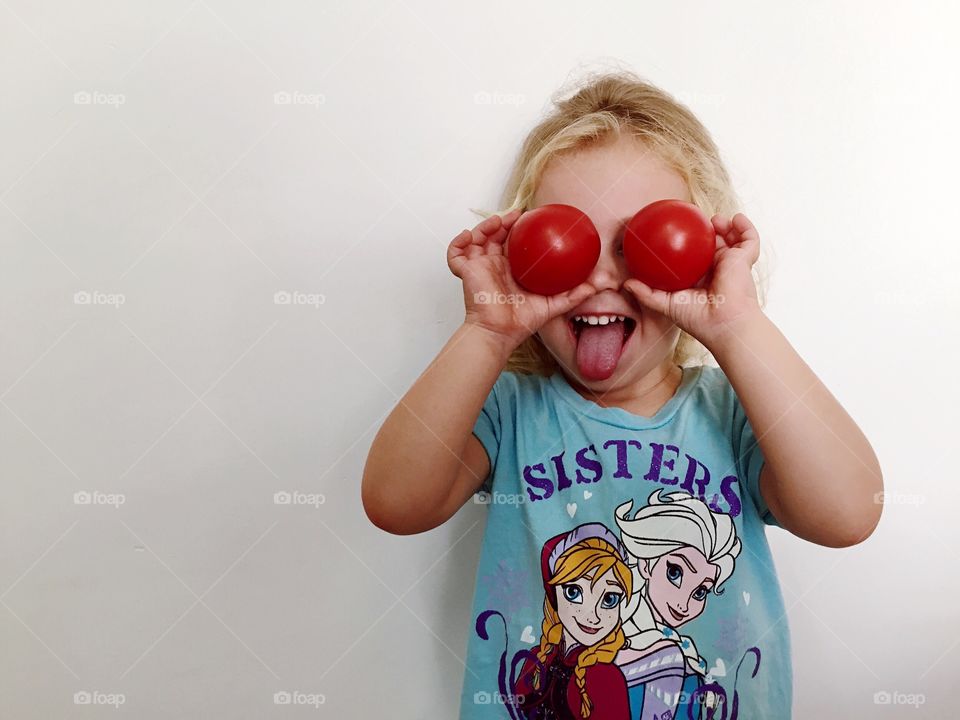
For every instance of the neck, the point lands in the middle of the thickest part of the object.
(643, 397)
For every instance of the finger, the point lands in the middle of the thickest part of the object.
(490, 225)
(721, 224)
(511, 217)
(456, 264)
(657, 300)
(565, 302)
(743, 224)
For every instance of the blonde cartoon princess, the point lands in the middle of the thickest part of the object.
(679, 551)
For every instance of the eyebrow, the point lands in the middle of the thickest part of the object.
(685, 562)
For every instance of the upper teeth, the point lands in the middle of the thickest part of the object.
(598, 319)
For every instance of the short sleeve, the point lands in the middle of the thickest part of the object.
(488, 430)
(749, 459)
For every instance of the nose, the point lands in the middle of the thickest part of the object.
(593, 616)
(610, 271)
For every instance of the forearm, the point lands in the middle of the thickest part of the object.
(823, 474)
(417, 453)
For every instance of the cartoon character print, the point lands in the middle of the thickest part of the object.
(571, 674)
(609, 645)
(680, 551)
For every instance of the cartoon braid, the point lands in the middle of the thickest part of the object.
(604, 651)
(552, 630)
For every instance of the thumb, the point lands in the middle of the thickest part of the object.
(656, 300)
(565, 302)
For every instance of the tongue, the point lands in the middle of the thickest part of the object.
(598, 350)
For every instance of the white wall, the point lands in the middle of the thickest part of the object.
(198, 398)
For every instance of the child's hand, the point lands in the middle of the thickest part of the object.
(492, 297)
(726, 293)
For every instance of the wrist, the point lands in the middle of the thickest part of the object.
(499, 345)
(736, 332)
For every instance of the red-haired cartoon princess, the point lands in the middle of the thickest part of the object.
(585, 579)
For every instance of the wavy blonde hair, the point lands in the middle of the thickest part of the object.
(599, 107)
(586, 555)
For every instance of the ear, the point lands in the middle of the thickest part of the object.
(645, 570)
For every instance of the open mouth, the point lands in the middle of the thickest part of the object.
(676, 615)
(600, 339)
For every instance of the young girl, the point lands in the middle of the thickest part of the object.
(513, 406)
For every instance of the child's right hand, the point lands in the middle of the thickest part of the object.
(492, 297)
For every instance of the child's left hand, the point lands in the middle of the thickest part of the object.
(726, 293)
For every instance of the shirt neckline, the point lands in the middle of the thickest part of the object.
(619, 416)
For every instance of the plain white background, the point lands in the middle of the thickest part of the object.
(148, 162)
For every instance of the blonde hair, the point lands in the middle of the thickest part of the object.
(589, 554)
(604, 105)
(670, 521)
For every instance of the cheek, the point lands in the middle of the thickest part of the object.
(554, 334)
(609, 617)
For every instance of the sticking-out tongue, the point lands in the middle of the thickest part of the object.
(598, 350)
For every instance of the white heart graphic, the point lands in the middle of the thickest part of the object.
(571, 509)
(527, 635)
(746, 597)
(587, 494)
(720, 669)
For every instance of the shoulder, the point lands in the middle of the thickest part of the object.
(513, 386)
(713, 395)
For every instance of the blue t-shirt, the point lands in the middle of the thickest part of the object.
(625, 563)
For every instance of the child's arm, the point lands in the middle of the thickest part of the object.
(821, 476)
(425, 461)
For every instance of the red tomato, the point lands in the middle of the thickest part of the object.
(669, 245)
(552, 248)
